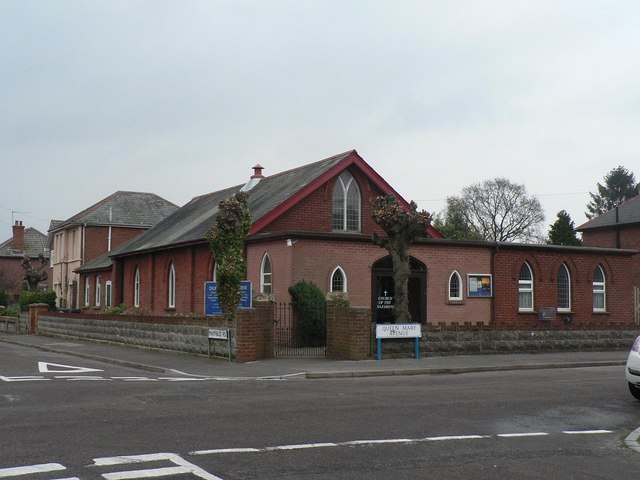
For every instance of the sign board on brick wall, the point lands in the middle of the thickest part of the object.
(212, 303)
(479, 285)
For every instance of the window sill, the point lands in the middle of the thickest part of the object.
(600, 312)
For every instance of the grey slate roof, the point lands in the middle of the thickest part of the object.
(628, 213)
(34, 245)
(190, 223)
(101, 262)
(123, 209)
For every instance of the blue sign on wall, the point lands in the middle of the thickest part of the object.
(212, 304)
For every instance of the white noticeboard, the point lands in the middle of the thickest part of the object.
(399, 330)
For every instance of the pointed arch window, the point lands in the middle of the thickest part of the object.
(525, 288)
(599, 290)
(266, 275)
(564, 289)
(87, 292)
(136, 288)
(338, 280)
(455, 287)
(98, 290)
(346, 204)
(171, 286)
(107, 293)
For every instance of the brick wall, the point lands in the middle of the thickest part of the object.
(545, 266)
(348, 333)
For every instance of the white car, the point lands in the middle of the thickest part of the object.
(633, 369)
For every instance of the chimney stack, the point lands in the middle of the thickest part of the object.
(257, 171)
(17, 243)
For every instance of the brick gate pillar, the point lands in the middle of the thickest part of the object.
(35, 309)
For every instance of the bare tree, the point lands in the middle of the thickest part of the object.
(34, 275)
(498, 210)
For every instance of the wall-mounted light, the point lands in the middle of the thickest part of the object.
(290, 242)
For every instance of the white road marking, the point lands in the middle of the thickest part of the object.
(27, 378)
(183, 467)
(586, 432)
(136, 379)
(44, 368)
(27, 470)
(352, 443)
(74, 378)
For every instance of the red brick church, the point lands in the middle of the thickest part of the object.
(314, 223)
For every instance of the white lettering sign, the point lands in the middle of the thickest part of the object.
(399, 330)
(219, 334)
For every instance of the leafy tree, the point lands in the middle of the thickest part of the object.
(226, 239)
(563, 232)
(452, 224)
(309, 302)
(497, 210)
(619, 185)
(401, 227)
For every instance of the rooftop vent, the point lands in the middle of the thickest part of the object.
(255, 178)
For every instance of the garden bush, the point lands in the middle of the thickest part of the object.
(309, 304)
(38, 296)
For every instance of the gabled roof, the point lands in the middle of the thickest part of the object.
(34, 245)
(627, 213)
(122, 209)
(268, 199)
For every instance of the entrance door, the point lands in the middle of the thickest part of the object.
(383, 291)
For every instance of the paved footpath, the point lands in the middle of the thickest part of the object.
(167, 362)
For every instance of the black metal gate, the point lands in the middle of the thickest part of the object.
(298, 335)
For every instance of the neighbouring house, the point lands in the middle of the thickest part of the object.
(27, 242)
(314, 223)
(618, 228)
(95, 231)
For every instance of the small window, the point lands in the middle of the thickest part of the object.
(107, 294)
(136, 289)
(564, 289)
(266, 275)
(87, 292)
(338, 280)
(171, 283)
(599, 290)
(455, 287)
(525, 289)
(98, 290)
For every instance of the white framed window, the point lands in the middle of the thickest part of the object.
(87, 292)
(346, 204)
(266, 275)
(107, 293)
(136, 288)
(564, 289)
(338, 280)
(599, 290)
(171, 285)
(525, 288)
(455, 287)
(98, 290)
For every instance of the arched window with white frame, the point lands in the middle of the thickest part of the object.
(87, 292)
(136, 288)
(346, 203)
(454, 288)
(107, 293)
(266, 276)
(525, 288)
(338, 280)
(599, 290)
(98, 290)
(564, 289)
(171, 287)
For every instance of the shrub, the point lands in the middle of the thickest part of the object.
(38, 296)
(309, 303)
(9, 312)
(119, 310)
(4, 299)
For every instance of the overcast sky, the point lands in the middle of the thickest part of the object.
(181, 98)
